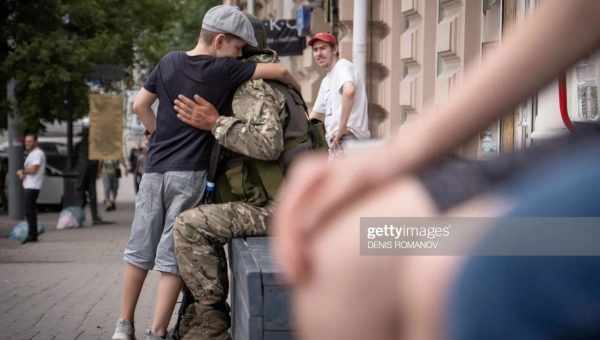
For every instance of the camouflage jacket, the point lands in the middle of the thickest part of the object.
(256, 128)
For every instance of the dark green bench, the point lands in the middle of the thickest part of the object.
(259, 301)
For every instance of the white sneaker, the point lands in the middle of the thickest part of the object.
(124, 330)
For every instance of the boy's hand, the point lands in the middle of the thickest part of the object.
(198, 113)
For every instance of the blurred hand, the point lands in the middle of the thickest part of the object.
(198, 113)
(315, 191)
(20, 174)
(336, 142)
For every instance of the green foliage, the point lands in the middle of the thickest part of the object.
(51, 46)
(180, 34)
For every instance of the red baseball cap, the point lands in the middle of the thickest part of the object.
(323, 36)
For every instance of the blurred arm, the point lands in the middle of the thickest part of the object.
(554, 38)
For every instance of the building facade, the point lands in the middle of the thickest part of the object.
(417, 54)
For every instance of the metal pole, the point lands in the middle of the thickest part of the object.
(359, 37)
(68, 108)
(70, 141)
(251, 7)
(15, 158)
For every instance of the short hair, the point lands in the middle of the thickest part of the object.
(208, 36)
(32, 134)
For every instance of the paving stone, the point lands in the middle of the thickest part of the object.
(68, 285)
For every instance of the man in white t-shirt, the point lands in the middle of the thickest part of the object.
(342, 96)
(32, 176)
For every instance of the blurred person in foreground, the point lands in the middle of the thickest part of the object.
(317, 218)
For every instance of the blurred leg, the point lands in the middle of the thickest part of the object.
(106, 186)
(379, 297)
(537, 297)
(115, 189)
(357, 295)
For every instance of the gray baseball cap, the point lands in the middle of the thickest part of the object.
(229, 19)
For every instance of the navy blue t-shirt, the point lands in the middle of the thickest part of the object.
(176, 146)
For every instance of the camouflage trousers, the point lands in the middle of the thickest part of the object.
(200, 234)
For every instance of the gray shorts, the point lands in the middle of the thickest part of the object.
(158, 202)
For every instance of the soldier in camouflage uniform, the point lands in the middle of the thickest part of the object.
(255, 131)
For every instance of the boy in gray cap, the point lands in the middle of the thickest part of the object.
(178, 154)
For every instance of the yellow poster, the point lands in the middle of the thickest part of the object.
(106, 127)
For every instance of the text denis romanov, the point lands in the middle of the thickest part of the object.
(389, 236)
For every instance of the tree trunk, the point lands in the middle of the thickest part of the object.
(15, 158)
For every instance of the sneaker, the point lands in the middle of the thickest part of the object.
(149, 336)
(124, 330)
(30, 239)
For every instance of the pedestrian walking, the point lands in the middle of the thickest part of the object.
(87, 174)
(111, 174)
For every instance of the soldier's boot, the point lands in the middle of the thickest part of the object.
(209, 322)
(203, 268)
(184, 315)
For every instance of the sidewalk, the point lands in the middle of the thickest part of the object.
(68, 285)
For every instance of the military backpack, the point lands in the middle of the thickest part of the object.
(254, 181)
